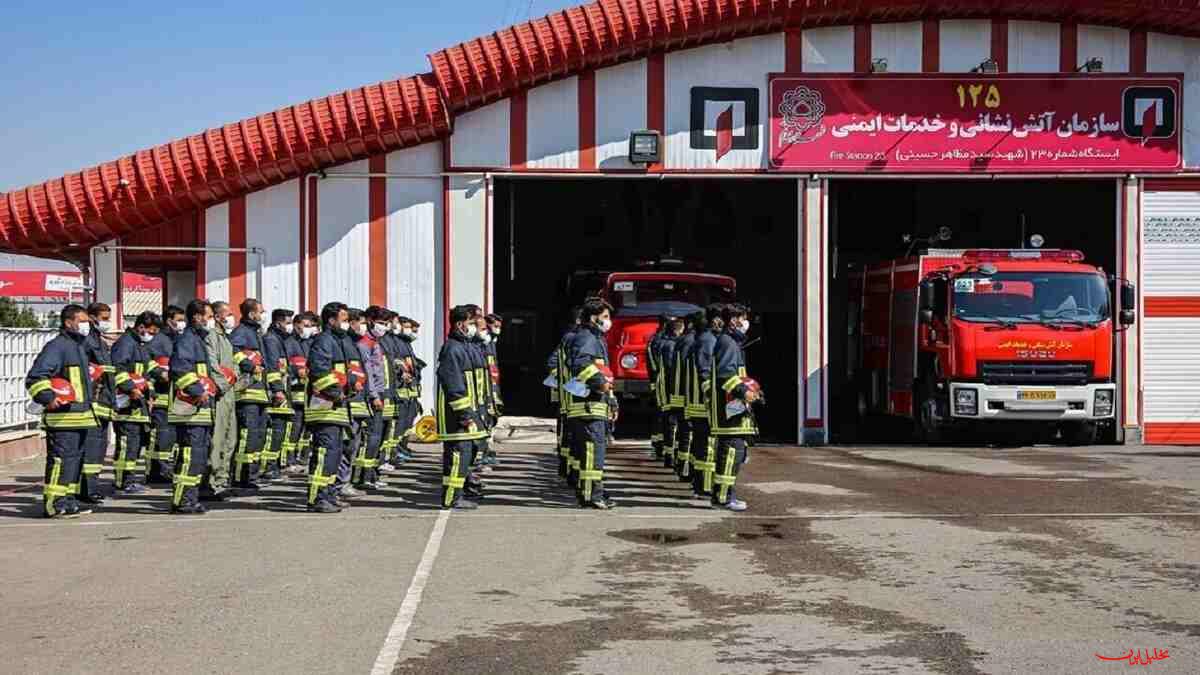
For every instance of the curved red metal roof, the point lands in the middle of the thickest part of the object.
(155, 185)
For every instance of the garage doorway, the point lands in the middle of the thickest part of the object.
(555, 241)
(870, 218)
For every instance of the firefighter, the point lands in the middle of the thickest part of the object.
(459, 426)
(58, 381)
(357, 402)
(131, 360)
(732, 432)
(279, 408)
(95, 446)
(681, 379)
(379, 390)
(306, 326)
(326, 413)
(191, 408)
(162, 434)
(655, 370)
(494, 323)
(483, 389)
(699, 360)
(398, 344)
(587, 361)
(671, 396)
(223, 371)
(556, 367)
(417, 409)
(251, 395)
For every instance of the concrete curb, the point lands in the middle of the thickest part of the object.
(16, 446)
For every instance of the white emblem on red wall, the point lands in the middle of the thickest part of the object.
(724, 119)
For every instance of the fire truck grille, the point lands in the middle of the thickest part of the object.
(1026, 372)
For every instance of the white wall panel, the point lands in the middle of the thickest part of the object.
(1110, 45)
(964, 44)
(552, 138)
(273, 224)
(1172, 375)
(468, 240)
(216, 265)
(414, 229)
(106, 280)
(343, 238)
(899, 43)
(620, 108)
(480, 137)
(828, 50)
(741, 63)
(1170, 261)
(1168, 53)
(1033, 47)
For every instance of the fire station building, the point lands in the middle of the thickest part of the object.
(781, 142)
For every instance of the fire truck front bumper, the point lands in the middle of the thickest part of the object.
(630, 386)
(978, 401)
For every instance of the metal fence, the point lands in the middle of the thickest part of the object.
(18, 348)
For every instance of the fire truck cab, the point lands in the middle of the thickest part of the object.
(969, 339)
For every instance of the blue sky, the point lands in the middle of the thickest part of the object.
(85, 82)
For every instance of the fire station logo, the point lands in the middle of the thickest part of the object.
(724, 119)
(1148, 112)
(800, 112)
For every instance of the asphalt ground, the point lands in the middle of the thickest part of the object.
(869, 559)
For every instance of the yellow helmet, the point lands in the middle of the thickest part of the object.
(425, 430)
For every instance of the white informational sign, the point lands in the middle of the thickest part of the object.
(623, 286)
(1172, 230)
(58, 283)
(964, 285)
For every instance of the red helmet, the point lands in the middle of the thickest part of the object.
(230, 376)
(138, 381)
(64, 393)
(495, 373)
(749, 383)
(95, 372)
(298, 361)
(255, 357)
(210, 388)
(163, 361)
(360, 376)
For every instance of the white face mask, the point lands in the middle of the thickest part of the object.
(379, 330)
(397, 330)
(495, 332)
(180, 325)
(145, 337)
(345, 326)
(308, 331)
(360, 330)
(230, 322)
(210, 324)
(287, 328)
(105, 326)
(84, 328)
(472, 330)
(605, 325)
(745, 326)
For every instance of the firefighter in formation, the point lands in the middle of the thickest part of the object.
(221, 406)
(215, 407)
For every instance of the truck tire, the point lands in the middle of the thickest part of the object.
(926, 420)
(1084, 433)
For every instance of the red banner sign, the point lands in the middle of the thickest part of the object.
(967, 122)
(38, 284)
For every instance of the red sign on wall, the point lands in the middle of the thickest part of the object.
(985, 123)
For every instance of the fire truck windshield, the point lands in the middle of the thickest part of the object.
(1031, 297)
(637, 297)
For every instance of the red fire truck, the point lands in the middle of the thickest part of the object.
(970, 339)
(638, 300)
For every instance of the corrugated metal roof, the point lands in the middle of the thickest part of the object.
(155, 185)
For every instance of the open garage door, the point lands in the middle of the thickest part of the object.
(869, 220)
(556, 240)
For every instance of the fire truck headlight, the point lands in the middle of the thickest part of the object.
(966, 401)
(1102, 406)
(629, 361)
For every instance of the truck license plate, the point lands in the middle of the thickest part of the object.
(1036, 395)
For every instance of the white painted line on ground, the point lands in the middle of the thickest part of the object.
(696, 514)
(385, 663)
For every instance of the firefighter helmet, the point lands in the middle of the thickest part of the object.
(64, 393)
(210, 388)
(95, 372)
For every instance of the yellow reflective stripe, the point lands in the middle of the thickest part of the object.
(52, 489)
(731, 384)
(274, 376)
(452, 482)
(38, 387)
(108, 369)
(239, 356)
(101, 410)
(252, 396)
(458, 405)
(122, 377)
(74, 375)
(588, 373)
(202, 418)
(70, 420)
(186, 380)
(325, 381)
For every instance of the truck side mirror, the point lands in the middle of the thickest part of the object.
(1127, 302)
(925, 299)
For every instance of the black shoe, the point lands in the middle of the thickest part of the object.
(598, 503)
(94, 499)
(160, 479)
(465, 504)
(211, 496)
(196, 509)
(324, 507)
(131, 489)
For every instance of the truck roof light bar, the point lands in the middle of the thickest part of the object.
(1058, 255)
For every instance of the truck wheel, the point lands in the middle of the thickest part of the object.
(1085, 433)
(928, 422)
